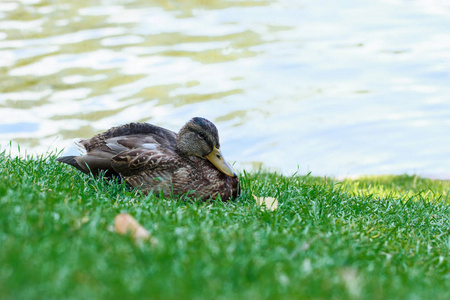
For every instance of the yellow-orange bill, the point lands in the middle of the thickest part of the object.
(216, 158)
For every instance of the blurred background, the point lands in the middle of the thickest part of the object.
(336, 88)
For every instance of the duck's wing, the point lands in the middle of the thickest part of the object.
(136, 161)
(101, 148)
(131, 136)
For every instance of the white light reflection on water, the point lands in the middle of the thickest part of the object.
(334, 87)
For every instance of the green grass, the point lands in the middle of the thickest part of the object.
(373, 238)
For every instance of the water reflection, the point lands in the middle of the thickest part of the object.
(330, 87)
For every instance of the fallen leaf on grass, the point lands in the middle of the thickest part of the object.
(125, 224)
(267, 202)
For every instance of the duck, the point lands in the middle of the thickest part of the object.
(156, 160)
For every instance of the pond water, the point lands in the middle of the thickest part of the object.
(337, 88)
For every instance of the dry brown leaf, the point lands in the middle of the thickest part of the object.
(267, 202)
(125, 224)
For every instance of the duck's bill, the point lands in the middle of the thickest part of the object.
(216, 158)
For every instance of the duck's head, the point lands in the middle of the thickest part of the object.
(199, 137)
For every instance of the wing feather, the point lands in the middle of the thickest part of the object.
(135, 161)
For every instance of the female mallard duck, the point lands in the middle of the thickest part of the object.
(154, 159)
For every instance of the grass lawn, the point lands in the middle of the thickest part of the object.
(372, 238)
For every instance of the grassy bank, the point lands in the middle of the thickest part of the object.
(373, 238)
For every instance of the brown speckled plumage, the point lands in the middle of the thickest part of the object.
(154, 159)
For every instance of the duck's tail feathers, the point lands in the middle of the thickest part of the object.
(90, 164)
(70, 160)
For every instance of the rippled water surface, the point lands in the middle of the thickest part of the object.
(333, 87)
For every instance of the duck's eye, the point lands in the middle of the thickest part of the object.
(201, 135)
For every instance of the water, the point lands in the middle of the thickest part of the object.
(336, 88)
